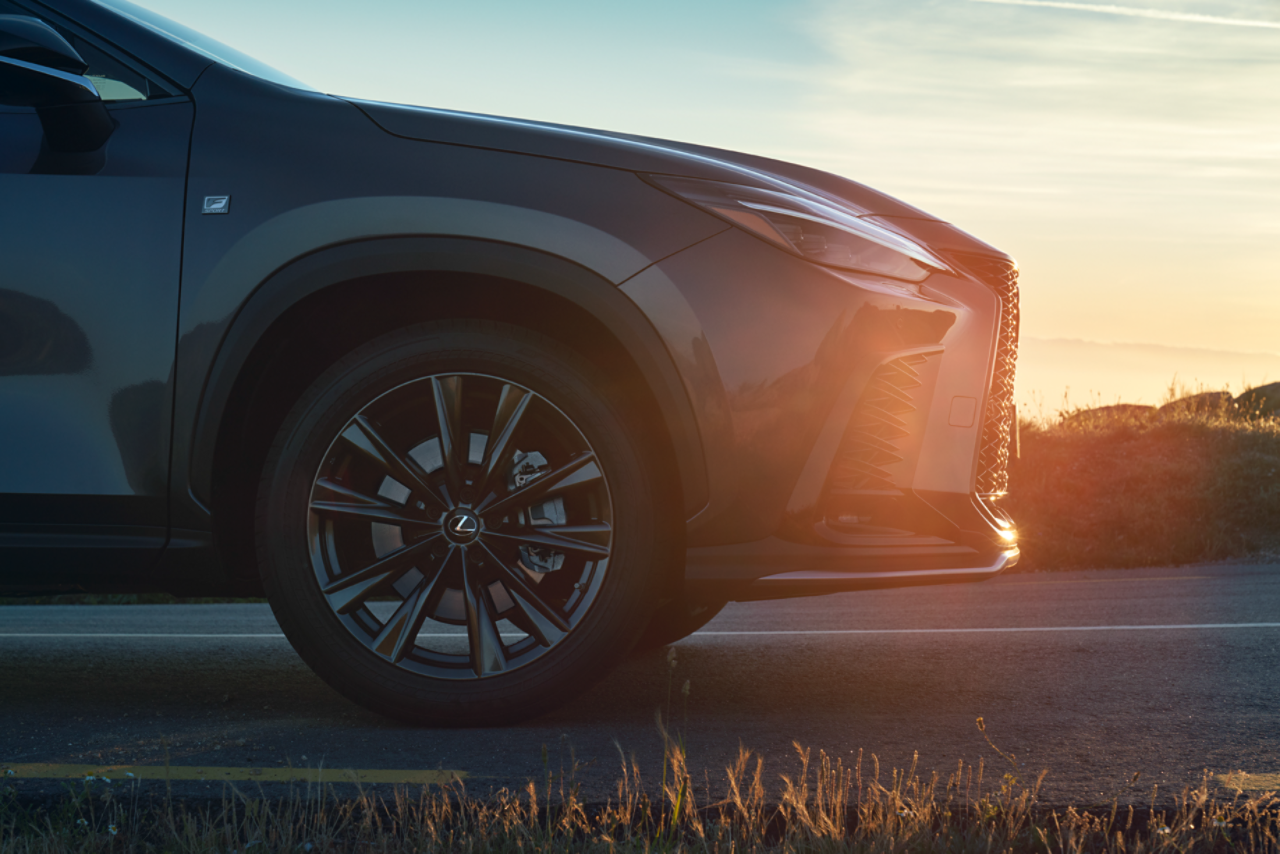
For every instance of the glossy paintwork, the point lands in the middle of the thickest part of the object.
(948, 456)
(88, 308)
(273, 151)
(87, 313)
(775, 353)
(754, 359)
(621, 151)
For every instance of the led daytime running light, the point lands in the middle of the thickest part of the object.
(865, 230)
(809, 226)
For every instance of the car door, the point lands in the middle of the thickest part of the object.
(89, 284)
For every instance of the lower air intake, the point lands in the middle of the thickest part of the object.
(881, 433)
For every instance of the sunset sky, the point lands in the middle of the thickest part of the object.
(1127, 154)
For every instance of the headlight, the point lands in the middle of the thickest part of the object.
(809, 227)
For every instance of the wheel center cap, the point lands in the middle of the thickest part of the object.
(462, 527)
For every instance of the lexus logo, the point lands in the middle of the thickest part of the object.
(465, 526)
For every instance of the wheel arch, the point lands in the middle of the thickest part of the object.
(313, 310)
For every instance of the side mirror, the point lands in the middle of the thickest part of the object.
(32, 40)
(38, 68)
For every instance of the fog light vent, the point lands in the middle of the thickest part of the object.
(881, 433)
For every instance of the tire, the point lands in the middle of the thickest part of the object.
(436, 574)
(676, 619)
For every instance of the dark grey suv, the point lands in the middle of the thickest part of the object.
(481, 405)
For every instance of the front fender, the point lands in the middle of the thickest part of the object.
(313, 273)
(299, 232)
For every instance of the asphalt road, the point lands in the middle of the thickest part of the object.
(1091, 676)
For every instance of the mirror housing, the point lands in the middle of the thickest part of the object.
(32, 40)
(38, 68)
(25, 84)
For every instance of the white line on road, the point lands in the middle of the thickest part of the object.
(1000, 630)
(277, 635)
(132, 635)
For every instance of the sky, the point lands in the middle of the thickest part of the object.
(1127, 154)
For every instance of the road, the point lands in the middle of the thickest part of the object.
(1092, 676)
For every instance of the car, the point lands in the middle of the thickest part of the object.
(480, 405)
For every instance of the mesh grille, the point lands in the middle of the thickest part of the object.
(1001, 275)
(872, 442)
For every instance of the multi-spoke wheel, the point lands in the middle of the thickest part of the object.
(455, 527)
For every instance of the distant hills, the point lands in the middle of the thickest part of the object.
(1091, 373)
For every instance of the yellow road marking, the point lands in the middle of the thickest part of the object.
(1249, 782)
(219, 773)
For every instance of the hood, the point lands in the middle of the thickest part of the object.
(624, 151)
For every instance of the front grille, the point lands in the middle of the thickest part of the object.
(880, 429)
(1001, 275)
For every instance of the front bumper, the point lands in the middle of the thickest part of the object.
(815, 570)
(947, 538)
(855, 428)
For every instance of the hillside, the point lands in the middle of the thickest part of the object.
(1197, 479)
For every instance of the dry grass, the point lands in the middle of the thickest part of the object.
(1120, 488)
(826, 807)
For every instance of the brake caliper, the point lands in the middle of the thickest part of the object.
(538, 559)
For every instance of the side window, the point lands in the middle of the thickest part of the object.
(115, 79)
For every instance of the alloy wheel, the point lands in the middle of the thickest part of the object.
(460, 526)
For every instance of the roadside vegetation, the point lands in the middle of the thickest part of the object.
(1197, 479)
(827, 807)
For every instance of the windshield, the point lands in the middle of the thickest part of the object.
(201, 43)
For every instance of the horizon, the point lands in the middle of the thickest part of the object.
(1062, 374)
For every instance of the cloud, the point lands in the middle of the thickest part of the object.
(1131, 12)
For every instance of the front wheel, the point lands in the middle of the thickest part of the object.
(454, 526)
